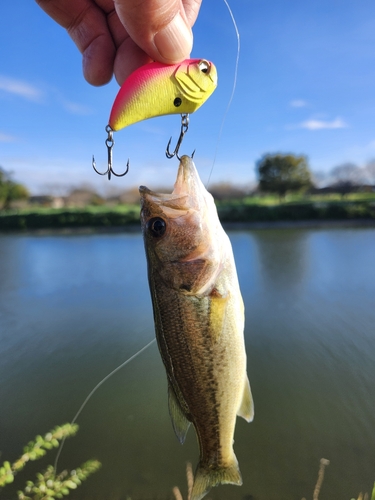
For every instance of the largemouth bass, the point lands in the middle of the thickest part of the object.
(199, 322)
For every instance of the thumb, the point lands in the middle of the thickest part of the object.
(159, 27)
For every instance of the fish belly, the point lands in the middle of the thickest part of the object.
(205, 362)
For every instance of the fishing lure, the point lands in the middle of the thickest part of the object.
(157, 89)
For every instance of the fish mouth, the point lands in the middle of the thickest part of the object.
(188, 180)
(187, 194)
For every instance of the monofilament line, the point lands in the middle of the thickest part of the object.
(233, 88)
(95, 389)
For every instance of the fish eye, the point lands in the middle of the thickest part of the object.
(204, 66)
(156, 227)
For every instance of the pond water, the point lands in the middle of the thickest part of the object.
(74, 307)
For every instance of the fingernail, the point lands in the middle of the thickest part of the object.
(175, 41)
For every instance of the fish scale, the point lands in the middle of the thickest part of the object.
(199, 322)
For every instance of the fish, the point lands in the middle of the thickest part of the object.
(157, 89)
(199, 322)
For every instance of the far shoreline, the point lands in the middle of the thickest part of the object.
(301, 224)
(228, 226)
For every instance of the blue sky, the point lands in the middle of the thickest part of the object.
(306, 85)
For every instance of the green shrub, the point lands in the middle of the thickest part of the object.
(48, 484)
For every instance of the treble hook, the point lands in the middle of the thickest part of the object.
(184, 129)
(109, 142)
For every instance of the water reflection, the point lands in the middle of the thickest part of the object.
(283, 257)
(10, 260)
(73, 308)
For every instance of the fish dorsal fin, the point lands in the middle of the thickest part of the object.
(218, 309)
(179, 421)
(246, 409)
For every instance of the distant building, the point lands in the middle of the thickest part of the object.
(45, 201)
(83, 197)
(41, 200)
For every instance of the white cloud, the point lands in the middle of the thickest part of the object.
(371, 145)
(6, 138)
(323, 124)
(76, 109)
(20, 88)
(298, 103)
(37, 171)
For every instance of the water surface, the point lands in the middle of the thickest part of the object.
(72, 308)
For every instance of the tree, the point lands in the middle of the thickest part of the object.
(228, 191)
(370, 172)
(347, 177)
(279, 173)
(10, 190)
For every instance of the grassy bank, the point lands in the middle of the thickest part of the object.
(247, 210)
(48, 218)
(296, 211)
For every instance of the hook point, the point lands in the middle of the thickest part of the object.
(184, 129)
(109, 143)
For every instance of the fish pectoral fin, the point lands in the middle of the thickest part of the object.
(207, 477)
(218, 309)
(180, 423)
(246, 409)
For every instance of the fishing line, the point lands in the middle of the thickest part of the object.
(209, 177)
(233, 88)
(95, 389)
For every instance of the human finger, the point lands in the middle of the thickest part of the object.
(160, 27)
(86, 23)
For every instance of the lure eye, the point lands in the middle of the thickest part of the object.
(156, 227)
(204, 66)
(177, 102)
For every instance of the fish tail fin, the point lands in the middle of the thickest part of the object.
(206, 478)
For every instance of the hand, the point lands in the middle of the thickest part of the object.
(118, 36)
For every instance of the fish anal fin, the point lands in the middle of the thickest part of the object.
(246, 409)
(179, 421)
(218, 309)
(207, 477)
